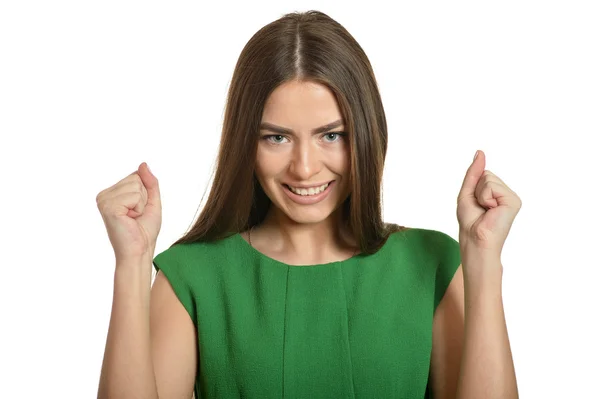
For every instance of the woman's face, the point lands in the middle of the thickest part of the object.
(291, 152)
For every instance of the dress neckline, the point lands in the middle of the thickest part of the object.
(256, 252)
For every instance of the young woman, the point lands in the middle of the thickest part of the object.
(290, 284)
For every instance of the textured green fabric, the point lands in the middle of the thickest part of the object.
(359, 328)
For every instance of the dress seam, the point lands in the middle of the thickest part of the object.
(348, 329)
(285, 301)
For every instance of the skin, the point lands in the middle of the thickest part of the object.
(293, 233)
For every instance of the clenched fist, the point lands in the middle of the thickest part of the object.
(132, 213)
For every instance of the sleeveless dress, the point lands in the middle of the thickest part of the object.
(357, 328)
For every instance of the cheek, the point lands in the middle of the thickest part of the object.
(261, 162)
(269, 164)
(265, 176)
(340, 161)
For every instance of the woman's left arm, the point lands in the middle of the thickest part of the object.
(486, 209)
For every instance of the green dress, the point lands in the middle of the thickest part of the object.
(357, 328)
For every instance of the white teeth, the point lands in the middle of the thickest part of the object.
(310, 191)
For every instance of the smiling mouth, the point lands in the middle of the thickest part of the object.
(308, 192)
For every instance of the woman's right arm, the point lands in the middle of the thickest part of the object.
(151, 347)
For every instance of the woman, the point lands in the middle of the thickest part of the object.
(290, 284)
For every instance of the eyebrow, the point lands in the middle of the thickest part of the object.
(283, 130)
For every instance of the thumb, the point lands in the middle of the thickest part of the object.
(472, 176)
(151, 183)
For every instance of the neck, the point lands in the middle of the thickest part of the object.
(310, 242)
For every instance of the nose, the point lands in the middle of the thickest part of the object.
(306, 160)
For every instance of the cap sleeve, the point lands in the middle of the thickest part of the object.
(172, 262)
(447, 252)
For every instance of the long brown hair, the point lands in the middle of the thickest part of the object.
(307, 46)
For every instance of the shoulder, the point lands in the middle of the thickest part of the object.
(430, 242)
(193, 247)
(428, 235)
(445, 248)
(190, 255)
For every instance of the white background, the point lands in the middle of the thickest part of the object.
(89, 90)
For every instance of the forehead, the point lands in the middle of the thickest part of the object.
(301, 105)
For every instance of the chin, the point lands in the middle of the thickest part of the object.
(308, 219)
(311, 214)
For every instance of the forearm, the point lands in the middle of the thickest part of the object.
(487, 369)
(127, 369)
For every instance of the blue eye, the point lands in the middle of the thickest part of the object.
(268, 138)
(335, 135)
